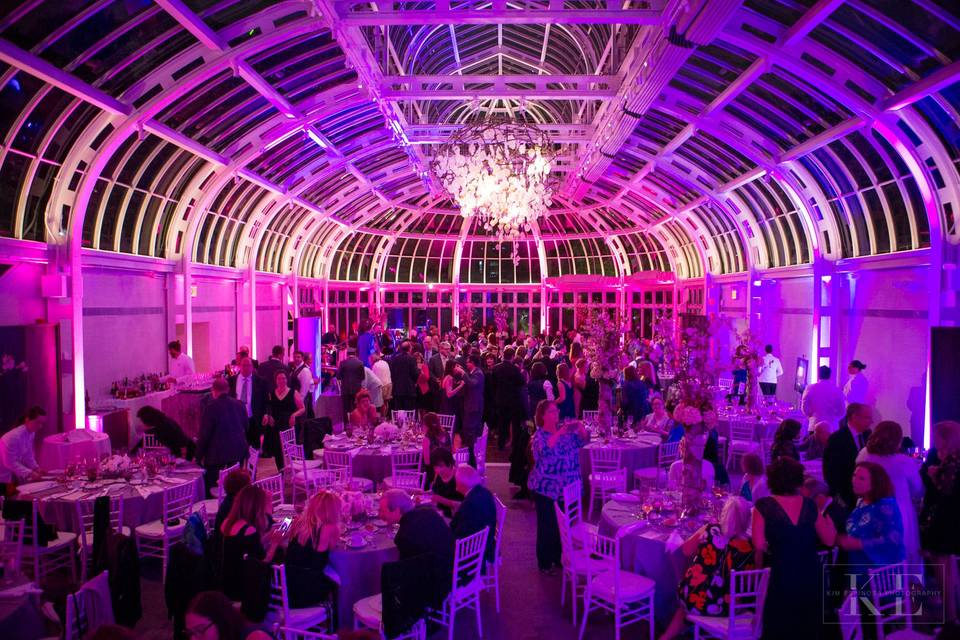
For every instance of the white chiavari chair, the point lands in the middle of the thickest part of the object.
(11, 547)
(57, 554)
(462, 456)
(580, 530)
(574, 559)
(253, 460)
(467, 582)
(150, 444)
(88, 608)
(279, 611)
(344, 460)
(606, 475)
(591, 416)
(748, 591)
(447, 422)
(401, 416)
(889, 586)
(154, 539)
(404, 462)
(273, 485)
(667, 454)
(742, 439)
(480, 451)
(627, 595)
(85, 518)
(491, 578)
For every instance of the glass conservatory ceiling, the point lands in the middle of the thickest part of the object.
(696, 136)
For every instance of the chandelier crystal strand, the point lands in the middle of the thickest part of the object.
(499, 171)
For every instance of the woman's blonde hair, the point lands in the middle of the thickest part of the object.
(735, 517)
(323, 508)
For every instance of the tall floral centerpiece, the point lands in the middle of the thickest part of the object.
(747, 356)
(501, 313)
(603, 352)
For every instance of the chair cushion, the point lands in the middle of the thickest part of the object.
(369, 611)
(719, 625)
(583, 563)
(63, 539)
(306, 617)
(211, 506)
(632, 586)
(583, 531)
(155, 529)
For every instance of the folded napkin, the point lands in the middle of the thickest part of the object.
(674, 541)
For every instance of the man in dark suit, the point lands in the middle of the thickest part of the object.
(251, 390)
(244, 352)
(472, 404)
(404, 372)
(422, 529)
(840, 454)
(477, 511)
(268, 370)
(351, 374)
(222, 441)
(507, 381)
(437, 364)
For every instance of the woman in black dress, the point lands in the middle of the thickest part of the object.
(520, 463)
(284, 406)
(241, 536)
(786, 530)
(451, 393)
(313, 534)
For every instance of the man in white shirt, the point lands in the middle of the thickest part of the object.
(770, 372)
(181, 365)
(17, 460)
(822, 401)
(382, 370)
(857, 386)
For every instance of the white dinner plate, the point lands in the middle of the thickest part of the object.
(34, 487)
(363, 543)
(380, 523)
(626, 498)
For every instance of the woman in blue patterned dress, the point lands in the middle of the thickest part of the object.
(556, 454)
(874, 536)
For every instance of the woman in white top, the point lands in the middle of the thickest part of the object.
(658, 421)
(883, 447)
(857, 387)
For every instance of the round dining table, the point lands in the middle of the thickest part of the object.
(142, 499)
(372, 461)
(637, 451)
(60, 449)
(359, 567)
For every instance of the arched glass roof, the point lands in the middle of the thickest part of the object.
(296, 136)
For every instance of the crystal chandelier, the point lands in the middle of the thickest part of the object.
(499, 171)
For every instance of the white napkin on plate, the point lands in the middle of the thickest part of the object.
(674, 540)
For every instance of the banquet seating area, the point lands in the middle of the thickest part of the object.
(511, 319)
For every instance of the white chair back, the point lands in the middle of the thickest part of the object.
(320, 479)
(253, 459)
(468, 560)
(748, 591)
(888, 586)
(591, 416)
(288, 436)
(480, 450)
(274, 486)
(177, 504)
(150, 443)
(339, 460)
(88, 608)
(573, 501)
(667, 454)
(725, 384)
(742, 430)
(564, 523)
(405, 461)
(604, 459)
(221, 478)
(501, 522)
(278, 603)
(447, 422)
(85, 519)
(409, 480)
(11, 546)
(401, 416)
(462, 456)
(849, 617)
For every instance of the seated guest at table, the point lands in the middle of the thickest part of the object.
(312, 535)
(940, 513)
(422, 529)
(786, 531)
(444, 486)
(633, 396)
(556, 455)
(365, 415)
(251, 390)
(284, 406)
(477, 511)
(233, 484)
(754, 484)
(167, 432)
(434, 437)
(17, 461)
(212, 616)
(783, 440)
(222, 441)
(883, 448)
(716, 550)
(815, 442)
(241, 535)
(658, 421)
(684, 474)
(874, 531)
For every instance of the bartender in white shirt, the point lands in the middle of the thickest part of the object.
(857, 386)
(770, 372)
(17, 461)
(181, 365)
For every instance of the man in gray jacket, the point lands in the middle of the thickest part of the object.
(222, 441)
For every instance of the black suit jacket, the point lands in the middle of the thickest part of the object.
(435, 366)
(839, 461)
(473, 392)
(507, 384)
(351, 374)
(477, 511)
(223, 432)
(268, 371)
(258, 396)
(404, 373)
(423, 530)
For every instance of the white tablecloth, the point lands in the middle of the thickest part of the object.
(60, 449)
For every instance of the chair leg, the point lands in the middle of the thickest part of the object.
(563, 588)
(450, 620)
(586, 613)
(616, 622)
(476, 607)
(573, 597)
(496, 586)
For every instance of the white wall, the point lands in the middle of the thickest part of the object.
(214, 323)
(20, 300)
(269, 318)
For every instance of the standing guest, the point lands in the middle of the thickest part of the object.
(13, 391)
(438, 368)
(874, 533)
(181, 365)
(350, 374)
(212, 616)
(883, 448)
(167, 432)
(840, 455)
(568, 409)
(822, 401)
(783, 440)
(312, 536)
(472, 405)
(17, 461)
(716, 550)
(251, 390)
(330, 338)
(940, 514)
(241, 535)
(489, 407)
(770, 372)
(443, 488)
(284, 406)
(365, 415)
(590, 399)
(579, 384)
(222, 440)
(366, 342)
(857, 387)
(539, 388)
(452, 390)
(372, 385)
(434, 437)
(786, 529)
(477, 511)
(404, 372)
(382, 368)
(633, 396)
(507, 382)
(556, 455)
(648, 375)
(754, 484)
(816, 441)
(424, 393)
(422, 529)
(244, 352)
(301, 381)
(268, 370)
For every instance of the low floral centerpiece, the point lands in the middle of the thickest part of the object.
(355, 505)
(386, 432)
